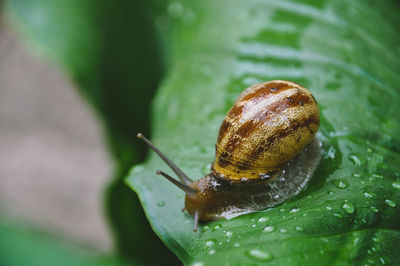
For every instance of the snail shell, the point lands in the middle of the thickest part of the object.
(266, 152)
(269, 124)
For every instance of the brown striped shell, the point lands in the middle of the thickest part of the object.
(269, 124)
(265, 154)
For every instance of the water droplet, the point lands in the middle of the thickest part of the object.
(382, 260)
(355, 160)
(268, 229)
(339, 183)
(258, 255)
(330, 154)
(299, 228)
(282, 210)
(396, 185)
(377, 176)
(338, 215)
(283, 230)
(293, 210)
(228, 234)
(356, 175)
(206, 228)
(375, 209)
(390, 203)
(253, 225)
(216, 227)
(329, 208)
(262, 219)
(348, 207)
(236, 245)
(198, 263)
(211, 252)
(369, 194)
(210, 243)
(161, 203)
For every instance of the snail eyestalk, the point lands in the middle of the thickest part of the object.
(181, 175)
(191, 192)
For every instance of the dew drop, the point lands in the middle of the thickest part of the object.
(338, 215)
(377, 176)
(268, 229)
(258, 255)
(210, 243)
(198, 263)
(262, 219)
(396, 185)
(299, 228)
(329, 208)
(375, 209)
(390, 203)
(293, 210)
(216, 227)
(369, 194)
(228, 234)
(206, 228)
(348, 207)
(330, 154)
(211, 252)
(382, 260)
(339, 183)
(355, 160)
(161, 203)
(236, 245)
(283, 230)
(356, 175)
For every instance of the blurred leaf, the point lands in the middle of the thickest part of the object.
(108, 48)
(21, 246)
(347, 54)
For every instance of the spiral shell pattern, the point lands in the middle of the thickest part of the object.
(269, 124)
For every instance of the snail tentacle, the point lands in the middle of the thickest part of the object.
(181, 175)
(191, 192)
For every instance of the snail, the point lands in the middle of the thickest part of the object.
(266, 152)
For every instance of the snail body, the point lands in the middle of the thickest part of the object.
(266, 152)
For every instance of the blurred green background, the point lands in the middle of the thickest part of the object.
(111, 54)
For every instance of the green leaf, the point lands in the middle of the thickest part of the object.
(21, 246)
(347, 55)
